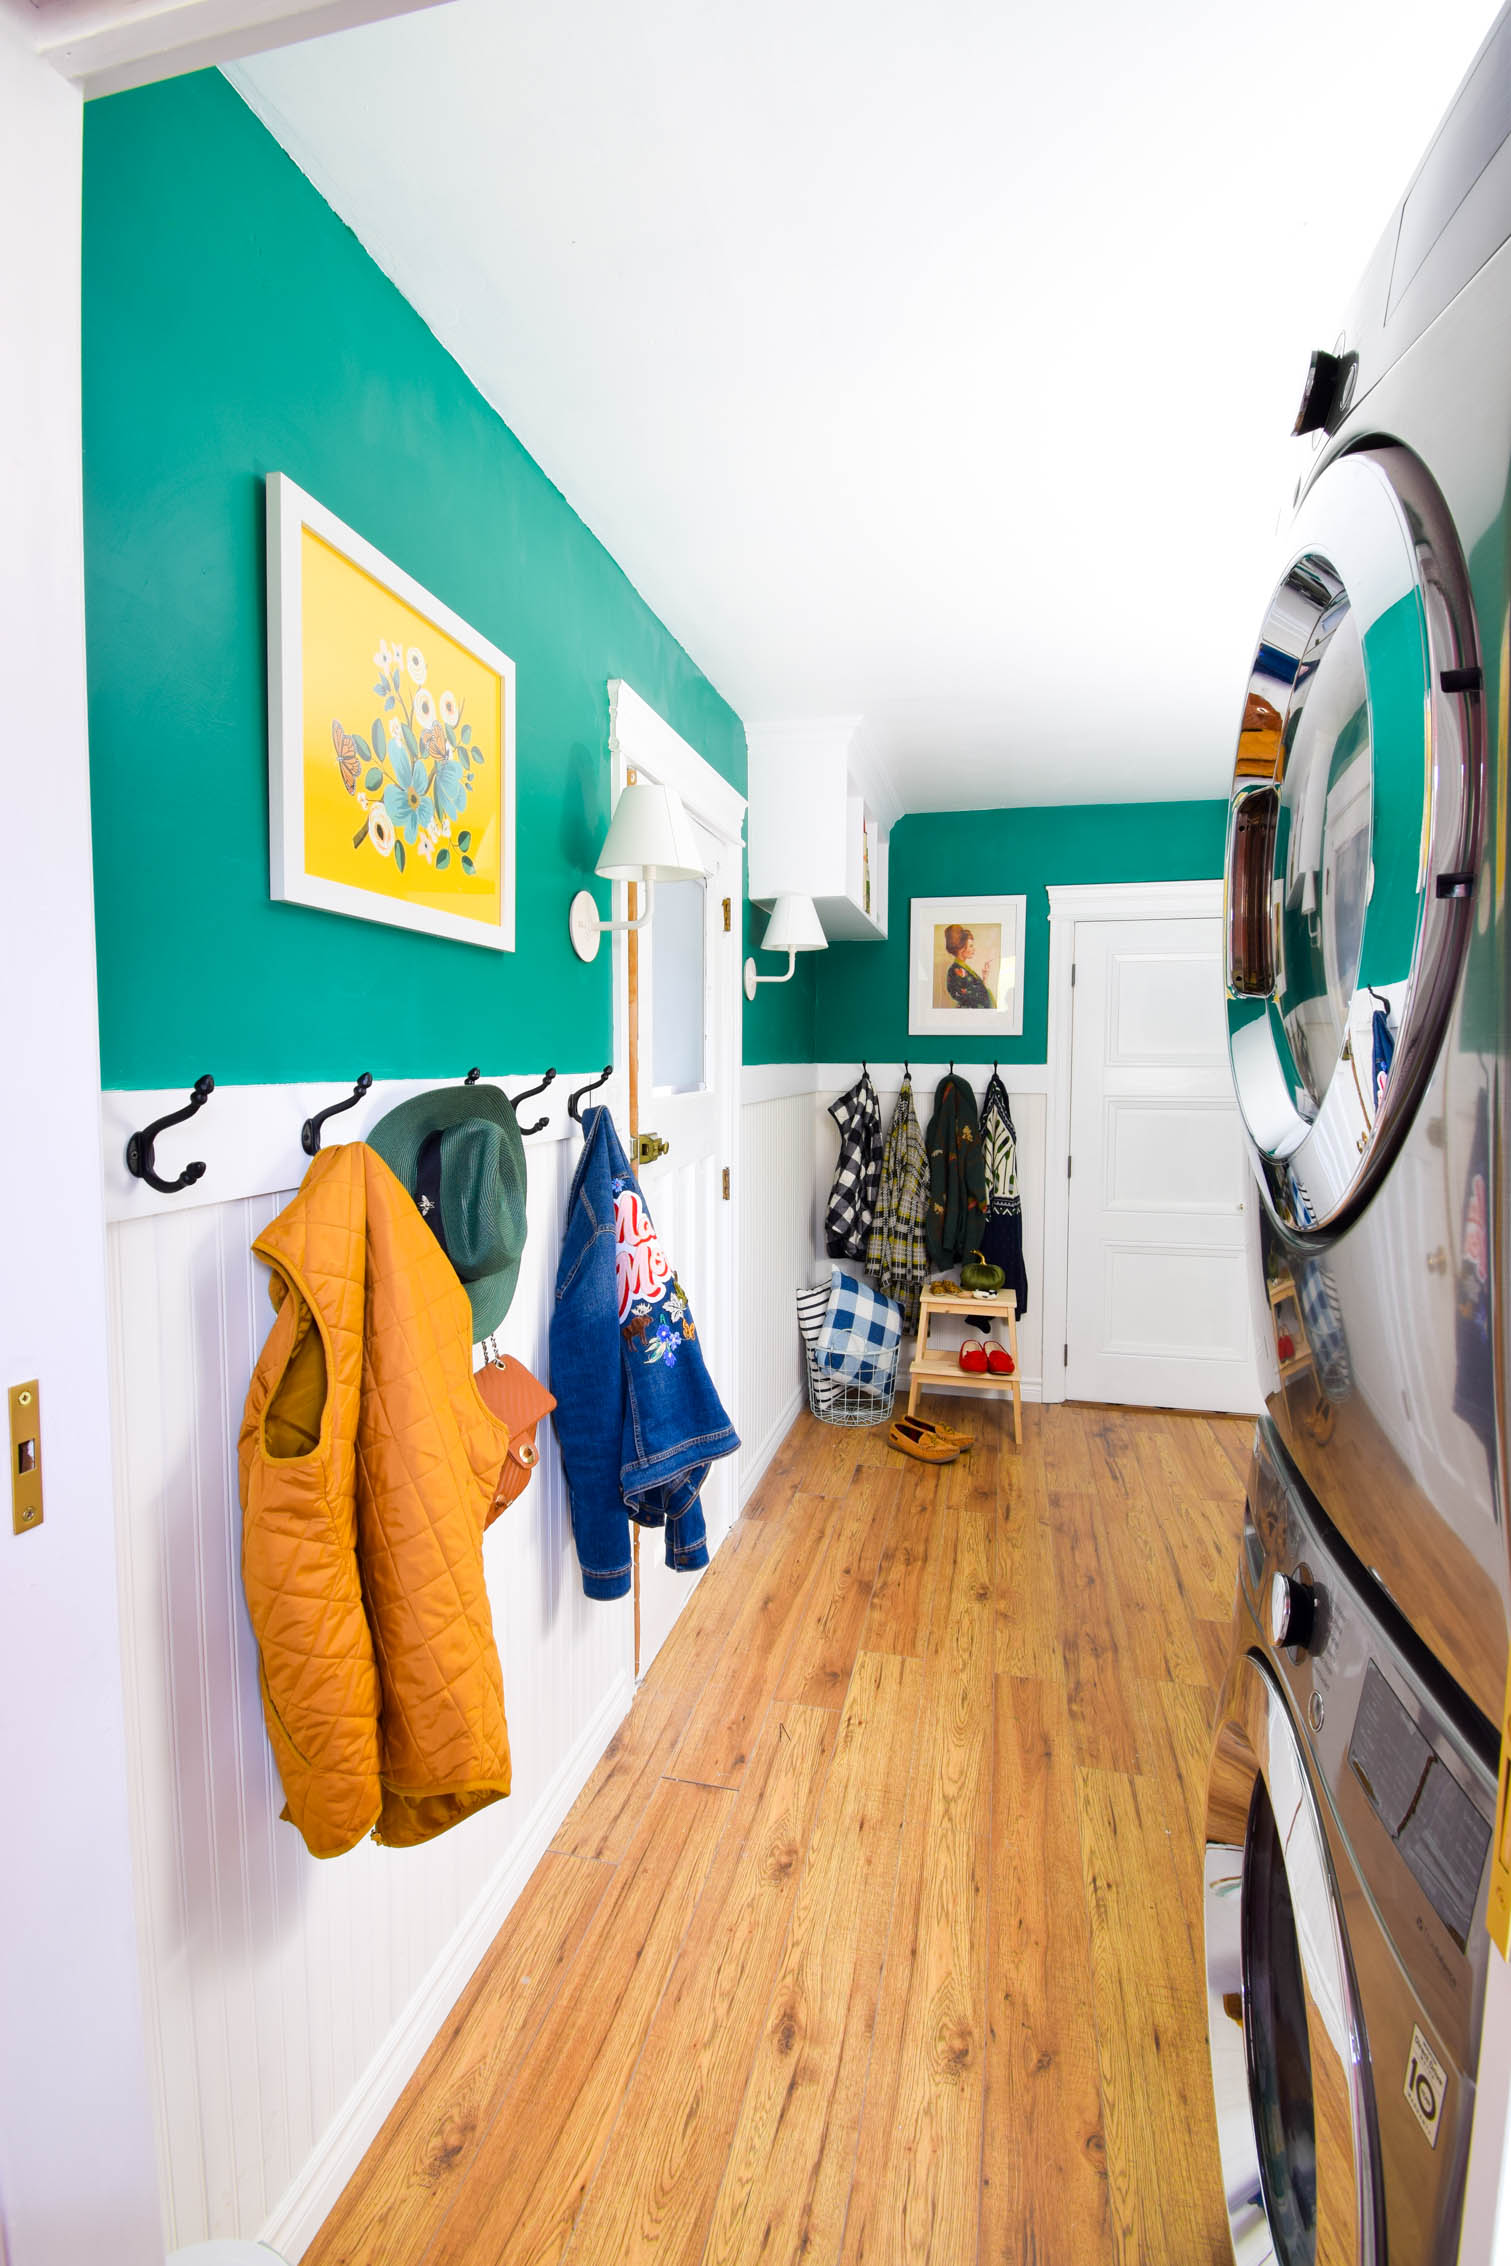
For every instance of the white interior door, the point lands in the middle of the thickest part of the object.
(688, 1065)
(1157, 1307)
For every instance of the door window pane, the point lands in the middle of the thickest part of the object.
(676, 933)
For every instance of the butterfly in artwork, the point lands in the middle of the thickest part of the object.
(348, 756)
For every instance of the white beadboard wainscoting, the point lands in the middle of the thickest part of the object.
(288, 2000)
(780, 1230)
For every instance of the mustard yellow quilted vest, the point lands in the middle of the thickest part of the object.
(368, 1465)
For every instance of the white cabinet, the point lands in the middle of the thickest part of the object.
(821, 813)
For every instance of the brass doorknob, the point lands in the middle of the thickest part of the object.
(1437, 1261)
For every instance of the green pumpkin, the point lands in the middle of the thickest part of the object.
(977, 1275)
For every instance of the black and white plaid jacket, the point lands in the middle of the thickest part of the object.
(852, 1199)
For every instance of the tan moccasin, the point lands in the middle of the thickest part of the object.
(964, 1441)
(921, 1441)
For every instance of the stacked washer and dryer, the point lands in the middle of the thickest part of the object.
(1352, 1796)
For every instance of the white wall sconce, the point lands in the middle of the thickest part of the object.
(650, 839)
(794, 927)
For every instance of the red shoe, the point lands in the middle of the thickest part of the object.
(973, 1360)
(999, 1361)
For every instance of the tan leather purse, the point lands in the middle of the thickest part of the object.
(521, 1400)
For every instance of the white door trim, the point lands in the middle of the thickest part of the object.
(641, 740)
(1069, 903)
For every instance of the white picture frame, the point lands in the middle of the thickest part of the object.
(940, 989)
(295, 750)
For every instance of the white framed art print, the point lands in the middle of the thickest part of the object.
(965, 967)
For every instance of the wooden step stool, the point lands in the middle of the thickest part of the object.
(944, 1368)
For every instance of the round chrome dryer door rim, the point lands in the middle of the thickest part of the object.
(1259, 1777)
(1354, 840)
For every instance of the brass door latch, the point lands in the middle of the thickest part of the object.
(649, 1146)
(25, 1458)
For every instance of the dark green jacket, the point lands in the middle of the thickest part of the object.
(956, 1216)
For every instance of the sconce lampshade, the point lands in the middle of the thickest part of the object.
(794, 926)
(650, 838)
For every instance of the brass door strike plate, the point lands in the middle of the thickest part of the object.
(25, 1458)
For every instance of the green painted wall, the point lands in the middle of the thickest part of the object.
(233, 326)
(862, 1004)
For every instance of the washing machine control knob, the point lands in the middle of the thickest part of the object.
(1293, 1604)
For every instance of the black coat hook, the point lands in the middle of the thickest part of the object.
(139, 1149)
(1375, 996)
(472, 1076)
(309, 1137)
(515, 1099)
(591, 1087)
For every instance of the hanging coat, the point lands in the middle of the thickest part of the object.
(857, 1176)
(956, 1215)
(638, 1419)
(1002, 1236)
(896, 1253)
(369, 1461)
(1382, 1054)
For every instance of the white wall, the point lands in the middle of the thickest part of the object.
(289, 2000)
(76, 2170)
(778, 1224)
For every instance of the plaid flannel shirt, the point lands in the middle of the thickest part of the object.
(895, 1251)
(852, 1199)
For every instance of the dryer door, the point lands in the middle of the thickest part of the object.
(1295, 2119)
(1354, 835)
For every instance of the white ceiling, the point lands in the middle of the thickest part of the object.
(928, 364)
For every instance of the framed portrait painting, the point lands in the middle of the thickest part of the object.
(391, 754)
(965, 967)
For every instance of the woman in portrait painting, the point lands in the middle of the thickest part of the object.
(966, 987)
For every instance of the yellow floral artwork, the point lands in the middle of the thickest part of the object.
(391, 758)
(402, 746)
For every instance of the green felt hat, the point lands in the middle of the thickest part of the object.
(457, 1150)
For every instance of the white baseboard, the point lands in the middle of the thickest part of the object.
(308, 2203)
(775, 1434)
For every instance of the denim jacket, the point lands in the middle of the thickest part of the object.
(636, 1413)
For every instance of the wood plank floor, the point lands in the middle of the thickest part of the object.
(875, 1936)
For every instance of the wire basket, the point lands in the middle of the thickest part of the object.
(843, 1400)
